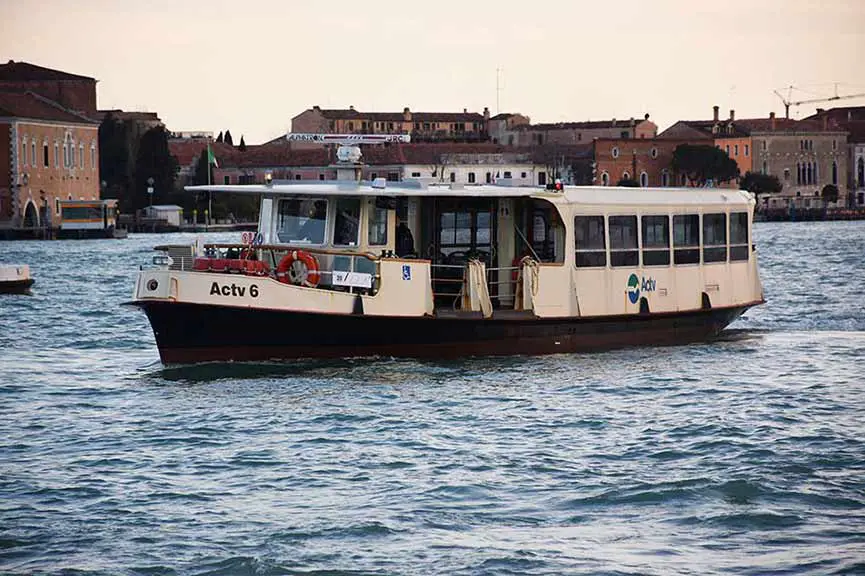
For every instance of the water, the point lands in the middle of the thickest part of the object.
(744, 456)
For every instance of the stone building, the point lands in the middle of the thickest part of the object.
(852, 120)
(47, 154)
(423, 126)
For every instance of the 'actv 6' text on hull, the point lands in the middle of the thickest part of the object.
(408, 269)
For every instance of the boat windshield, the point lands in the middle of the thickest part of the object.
(302, 220)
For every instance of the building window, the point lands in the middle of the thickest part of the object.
(834, 173)
(56, 154)
(45, 154)
(644, 180)
(765, 145)
(654, 152)
(590, 241)
(735, 149)
(522, 175)
(605, 179)
(747, 149)
(542, 178)
(226, 179)
(615, 152)
(81, 156)
(297, 176)
(683, 180)
(860, 172)
(24, 152)
(393, 176)
(417, 174)
(727, 149)
(665, 179)
(786, 173)
(834, 144)
(374, 175)
(33, 161)
(453, 177)
(489, 177)
(93, 156)
(321, 176)
(765, 167)
(507, 174)
(471, 177)
(626, 175)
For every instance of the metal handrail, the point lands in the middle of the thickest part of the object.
(288, 247)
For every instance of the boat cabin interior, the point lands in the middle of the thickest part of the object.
(350, 233)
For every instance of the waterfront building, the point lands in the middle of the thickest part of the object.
(48, 153)
(648, 162)
(852, 120)
(805, 155)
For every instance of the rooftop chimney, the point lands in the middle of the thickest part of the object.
(772, 118)
(646, 117)
(820, 110)
(406, 114)
(614, 122)
(486, 113)
(715, 108)
(732, 115)
(351, 108)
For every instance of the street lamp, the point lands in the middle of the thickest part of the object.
(150, 189)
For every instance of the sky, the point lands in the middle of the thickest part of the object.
(250, 66)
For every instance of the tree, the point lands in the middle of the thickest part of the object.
(155, 161)
(702, 163)
(829, 193)
(114, 157)
(219, 138)
(201, 176)
(242, 146)
(227, 138)
(628, 183)
(758, 183)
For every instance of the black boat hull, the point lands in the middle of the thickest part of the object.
(187, 333)
(16, 286)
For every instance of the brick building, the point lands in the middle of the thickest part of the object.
(71, 91)
(47, 154)
(645, 161)
(423, 126)
(725, 133)
(525, 134)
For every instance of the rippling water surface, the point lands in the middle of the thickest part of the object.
(743, 456)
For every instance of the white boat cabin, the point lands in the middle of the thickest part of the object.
(411, 248)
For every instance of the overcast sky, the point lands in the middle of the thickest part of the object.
(251, 65)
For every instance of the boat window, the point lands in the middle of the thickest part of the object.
(346, 227)
(739, 236)
(301, 220)
(686, 239)
(623, 241)
(590, 240)
(714, 238)
(656, 240)
(377, 224)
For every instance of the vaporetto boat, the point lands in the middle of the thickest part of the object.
(412, 269)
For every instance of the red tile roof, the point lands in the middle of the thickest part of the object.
(32, 106)
(24, 71)
(187, 150)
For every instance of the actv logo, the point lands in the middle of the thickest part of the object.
(637, 285)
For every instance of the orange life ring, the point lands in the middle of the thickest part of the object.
(300, 268)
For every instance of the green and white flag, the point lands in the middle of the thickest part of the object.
(211, 159)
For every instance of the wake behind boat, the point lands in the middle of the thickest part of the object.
(410, 269)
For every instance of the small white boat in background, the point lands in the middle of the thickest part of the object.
(15, 279)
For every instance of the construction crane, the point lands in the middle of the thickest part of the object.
(788, 103)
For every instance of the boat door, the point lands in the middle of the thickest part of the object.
(462, 229)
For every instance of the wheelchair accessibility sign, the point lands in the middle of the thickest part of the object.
(406, 272)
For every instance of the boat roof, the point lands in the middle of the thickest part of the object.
(603, 195)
